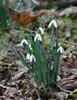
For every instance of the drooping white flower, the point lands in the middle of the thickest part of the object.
(53, 22)
(41, 30)
(28, 56)
(38, 37)
(32, 57)
(60, 49)
(24, 41)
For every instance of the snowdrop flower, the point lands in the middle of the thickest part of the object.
(53, 22)
(32, 57)
(38, 37)
(60, 49)
(42, 30)
(28, 56)
(24, 41)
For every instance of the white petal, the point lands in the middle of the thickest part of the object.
(50, 24)
(60, 49)
(32, 58)
(19, 45)
(24, 41)
(53, 22)
(51, 67)
(38, 37)
(42, 30)
(28, 57)
(30, 47)
(58, 78)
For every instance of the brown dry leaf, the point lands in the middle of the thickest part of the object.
(11, 95)
(8, 94)
(68, 84)
(26, 18)
(18, 76)
(2, 63)
(73, 62)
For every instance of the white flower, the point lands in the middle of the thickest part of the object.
(60, 49)
(24, 41)
(38, 37)
(41, 30)
(30, 58)
(53, 22)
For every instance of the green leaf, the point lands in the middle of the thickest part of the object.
(20, 56)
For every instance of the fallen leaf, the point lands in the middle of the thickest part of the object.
(18, 76)
(26, 18)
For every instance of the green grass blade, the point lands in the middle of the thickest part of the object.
(19, 55)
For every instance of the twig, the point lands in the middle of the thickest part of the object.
(64, 90)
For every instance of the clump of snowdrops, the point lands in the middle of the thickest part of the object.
(43, 65)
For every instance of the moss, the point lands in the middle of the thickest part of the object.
(2, 56)
(75, 96)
